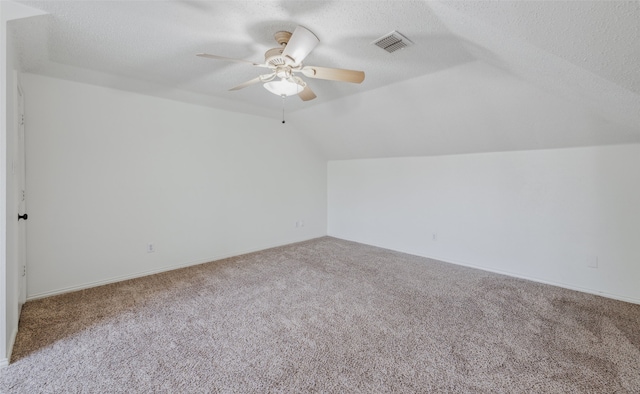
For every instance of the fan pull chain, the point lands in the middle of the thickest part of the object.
(283, 96)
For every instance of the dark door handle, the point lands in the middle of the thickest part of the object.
(24, 217)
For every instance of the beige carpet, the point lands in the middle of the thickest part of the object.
(326, 316)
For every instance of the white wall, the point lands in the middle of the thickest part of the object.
(110, 171)
(543, 215)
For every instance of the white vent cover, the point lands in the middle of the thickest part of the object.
(392, 42)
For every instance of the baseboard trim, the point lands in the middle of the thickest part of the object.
(160, 270)
(4, 362)
(252, 250)
(507, 273)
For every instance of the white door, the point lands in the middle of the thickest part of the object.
(22, 203)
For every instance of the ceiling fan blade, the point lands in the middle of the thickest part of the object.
(245, 84)
(258, 79)
(307, 94)
(333, 74)
(300, 44)
(229, 59)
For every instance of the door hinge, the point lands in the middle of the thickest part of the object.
(22, 120)
(24, 270)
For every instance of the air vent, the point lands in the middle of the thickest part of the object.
(392, 42)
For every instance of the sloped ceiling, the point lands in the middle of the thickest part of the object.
(482, 75)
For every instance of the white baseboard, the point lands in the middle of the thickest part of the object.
(4, 362)
(121, 278)
(507, 273)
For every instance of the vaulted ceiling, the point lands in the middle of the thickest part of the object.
(481, 75)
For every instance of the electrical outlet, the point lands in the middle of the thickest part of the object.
(151, 248)
(434, 236)
(592, 262)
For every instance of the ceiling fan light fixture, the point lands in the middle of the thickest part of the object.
(283, 87)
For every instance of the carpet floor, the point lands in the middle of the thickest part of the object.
(326, 315)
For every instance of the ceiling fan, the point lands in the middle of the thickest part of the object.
(286, 61)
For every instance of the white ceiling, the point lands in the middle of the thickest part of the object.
(482, 75)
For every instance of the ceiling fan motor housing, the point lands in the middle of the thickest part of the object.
(273, 57)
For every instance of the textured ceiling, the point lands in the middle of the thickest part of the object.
(156, 42)
(583, 56)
